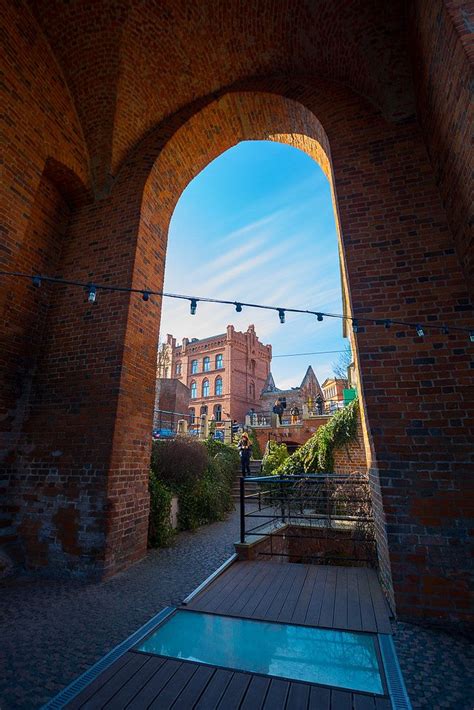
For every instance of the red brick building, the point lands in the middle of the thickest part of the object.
(224, 373)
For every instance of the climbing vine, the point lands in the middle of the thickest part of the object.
(317, 454)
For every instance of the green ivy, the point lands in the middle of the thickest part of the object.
(275, 455)
(317, 454)
(160, 532)
(256, 449)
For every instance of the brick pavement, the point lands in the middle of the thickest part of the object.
(51, 631)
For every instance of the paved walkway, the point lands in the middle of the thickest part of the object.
(52, 631)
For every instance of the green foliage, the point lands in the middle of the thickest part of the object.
(317, 454)
(204, 491)
(256, 450)
(160, 532)
(275, 455)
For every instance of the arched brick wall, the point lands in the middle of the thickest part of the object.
(86, 445)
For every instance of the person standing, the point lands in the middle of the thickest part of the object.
(245, 450)
(278, 410)
(295, 414)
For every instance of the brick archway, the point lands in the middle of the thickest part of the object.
(91, 452)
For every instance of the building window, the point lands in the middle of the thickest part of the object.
(218, 387)
(206, 364)
(192, 415)
(205, 388)
(194, 390)
(203, 409)
(252, 390)
(219, 362)
(194, 367)
(217, 412)
(178, 368)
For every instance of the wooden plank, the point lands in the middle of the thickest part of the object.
(151, 689)
(99, 681)
(262, 593)
(379, 603)
(214, 690)
(301, 608)
(261, 609)
(340, 601)
(225, 606)
(222, 587)
(235, 691)
(329, 597)
(173, 688)
(383, 704)
(314, 606)
(128, 691)
(294, 594)
(256, 692)
(354, 621)
(109, 689)
(341, 700)
(277, 694)
(279, 599)
(363, 702)
(367, 614)
(319, 698)
(298, 696)
(194, 689)
(255, 590)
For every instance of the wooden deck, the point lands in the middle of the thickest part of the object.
(330, 597)
(348, 598)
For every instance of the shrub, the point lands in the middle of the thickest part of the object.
(179, 462)
(160, 532)
(317, 454)
(275, 455)
(256, 450)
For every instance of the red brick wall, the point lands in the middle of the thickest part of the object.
(172, 399)
(85, 446)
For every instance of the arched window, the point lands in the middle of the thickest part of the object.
(218, 412)
(194, 367)
(178, 368)
(218, 387)
(192, 415)
(219, 362)
(205, 388)
(204, 409)
(206, 364)
(194, 390)
(252, 390)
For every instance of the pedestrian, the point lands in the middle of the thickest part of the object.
(319, 404)
(295, 414)
(278, 410)
(245, 451)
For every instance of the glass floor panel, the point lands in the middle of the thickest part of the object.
(342, 659)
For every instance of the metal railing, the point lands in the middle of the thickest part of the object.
(269, 418)
(314, 517)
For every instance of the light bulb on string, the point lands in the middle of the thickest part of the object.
(419, 330)
(36, 281)
(193, 306)
(146, 295)
(238, 307)
(355, 325)
(92, 294)
(319, 316)
(445, 330)
(471, 336)
(281, 315)
(387, 323)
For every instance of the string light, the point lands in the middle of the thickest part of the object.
(92, 295)
(92, 290)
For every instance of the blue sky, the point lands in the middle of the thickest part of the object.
(257, 225)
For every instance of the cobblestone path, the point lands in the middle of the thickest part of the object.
(51, 631)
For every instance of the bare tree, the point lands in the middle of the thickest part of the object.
(339, 367)
(163, 362)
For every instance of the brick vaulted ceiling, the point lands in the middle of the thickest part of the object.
(131, 63)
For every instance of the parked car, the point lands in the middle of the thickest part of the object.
(163, 434)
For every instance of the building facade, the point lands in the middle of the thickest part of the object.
(333, 391)
(303, 396)
(225, 373)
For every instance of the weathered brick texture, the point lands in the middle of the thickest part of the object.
(109, 114)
